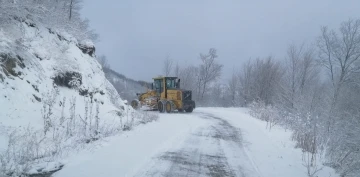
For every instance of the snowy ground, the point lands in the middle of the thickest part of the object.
(208, 142)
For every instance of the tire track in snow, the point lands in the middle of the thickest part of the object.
(214, 150)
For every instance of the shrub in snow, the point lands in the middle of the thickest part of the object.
(23, 148)
(305, 133)
(134, 118)
(29, 147)
(266, 113)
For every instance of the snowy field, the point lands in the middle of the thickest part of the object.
(208, 142)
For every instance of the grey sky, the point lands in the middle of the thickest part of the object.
(137, 35)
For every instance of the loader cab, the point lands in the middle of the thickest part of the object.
(162, 84)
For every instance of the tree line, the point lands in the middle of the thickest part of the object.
(314, 90)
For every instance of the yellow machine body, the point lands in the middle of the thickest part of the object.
(165, 95)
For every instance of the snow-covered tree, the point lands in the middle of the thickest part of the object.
(60, 15)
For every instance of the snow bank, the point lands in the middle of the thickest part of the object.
(51, 84)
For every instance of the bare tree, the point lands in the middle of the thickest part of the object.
(293, 63)
(168, 64)
(233, 87)
(57, 14)
(189, 77)
(177, 70)
(260, 80)
(71, 6)
(245, 82)
(74, 5)
(300, 71)
(339, 54)
(309, 70)
(210, 70)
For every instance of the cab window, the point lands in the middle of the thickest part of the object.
(158, 85)
(170, 83)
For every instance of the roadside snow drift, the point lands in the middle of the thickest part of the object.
(271, 152)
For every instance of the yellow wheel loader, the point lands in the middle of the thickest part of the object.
(165, 95)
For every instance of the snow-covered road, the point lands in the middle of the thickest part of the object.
(209, 142)
(214, 149)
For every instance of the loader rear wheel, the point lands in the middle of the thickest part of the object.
(189, 109)
(161, 107)
(168, 107)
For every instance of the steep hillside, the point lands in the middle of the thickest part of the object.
(49, 64)
(54, 96)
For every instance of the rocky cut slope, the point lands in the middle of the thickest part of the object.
(53, 92)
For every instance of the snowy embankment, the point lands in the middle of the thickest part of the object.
(54, 98)
(199, 144)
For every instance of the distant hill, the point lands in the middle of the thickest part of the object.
(126, 87)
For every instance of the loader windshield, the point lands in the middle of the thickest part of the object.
(158, 85)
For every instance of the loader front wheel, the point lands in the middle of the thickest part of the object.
(161, 107)
(168, 107)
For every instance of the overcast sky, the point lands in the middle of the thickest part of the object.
(137, 35)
